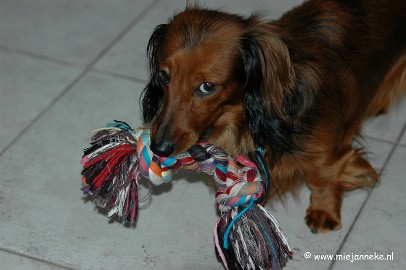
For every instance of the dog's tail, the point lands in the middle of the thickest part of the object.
(391, 89)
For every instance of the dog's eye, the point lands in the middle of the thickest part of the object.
(163, 77)
(205, 89)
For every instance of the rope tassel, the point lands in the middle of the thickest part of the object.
(246, 236)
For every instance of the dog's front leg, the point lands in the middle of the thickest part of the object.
(344, 172)
(324, 212)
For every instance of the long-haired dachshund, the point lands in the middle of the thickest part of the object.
(299, 87)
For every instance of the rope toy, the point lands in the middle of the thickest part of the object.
(246, 235)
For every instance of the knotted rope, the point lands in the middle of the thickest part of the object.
(119, 155)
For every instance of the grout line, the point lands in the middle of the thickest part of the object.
(69, 64)
(378, 139)
(402, 145)
(118, 75)
(40, 56)
(87, 69)
(45, 261)
(402, 133)
(122, 33)
(388, 158)
(45, 110)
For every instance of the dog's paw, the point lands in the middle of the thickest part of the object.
(320, 221)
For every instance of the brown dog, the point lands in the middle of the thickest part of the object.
(300, 87)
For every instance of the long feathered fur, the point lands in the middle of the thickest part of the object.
(300, 87)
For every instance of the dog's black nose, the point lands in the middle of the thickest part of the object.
(163, 149)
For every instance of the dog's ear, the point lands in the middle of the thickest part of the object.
(152, 95)
(274, 99)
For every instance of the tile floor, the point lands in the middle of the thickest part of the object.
(67, 67)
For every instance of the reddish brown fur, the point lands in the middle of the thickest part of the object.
(352, 66)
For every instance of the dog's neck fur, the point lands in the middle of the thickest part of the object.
(230, 132)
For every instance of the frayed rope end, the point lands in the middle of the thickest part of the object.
(250, 238)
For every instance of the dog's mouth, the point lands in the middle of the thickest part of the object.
(166, 147)
(205, 135)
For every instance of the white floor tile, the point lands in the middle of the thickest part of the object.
(41, 213)
(74, 31)
(14, 262)
(27, 86)
(381, 226)
(387, 126)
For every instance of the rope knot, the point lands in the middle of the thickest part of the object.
(237, 180)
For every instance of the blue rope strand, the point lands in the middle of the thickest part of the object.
(230, 226)
(261, 151)
(270, 241)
